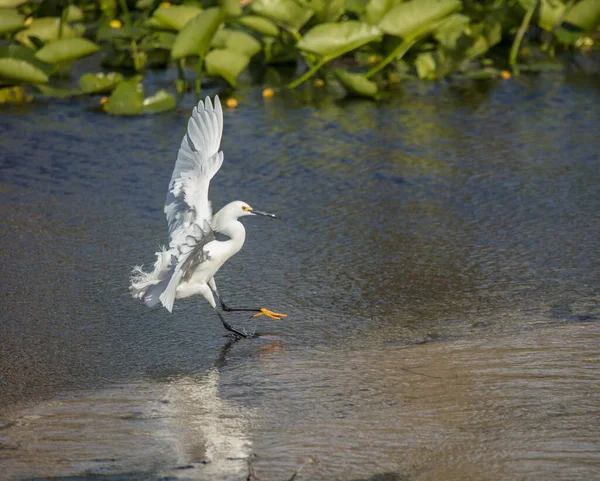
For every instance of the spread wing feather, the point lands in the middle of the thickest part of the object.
(198, 160)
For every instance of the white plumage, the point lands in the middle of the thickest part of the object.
(187, 267)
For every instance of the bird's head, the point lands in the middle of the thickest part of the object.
(244, 209)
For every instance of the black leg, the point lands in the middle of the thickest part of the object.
(258, 310)
(228, 327)
(226, 308)
(238, 309)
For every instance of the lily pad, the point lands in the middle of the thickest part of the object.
(106, 32)
(66, 50)
(260, 25)
(20, 71)
(226, 64)
(57, 93)
(409, 19)
(376, 9)
(426, 66)
(232, 8)
(19, 65)
(158, 40)
(483, 37)
(175, 17)
(325, 10)
(287, 12)
(196, 36)
(585, 15)
(46, 29)
(357, 84)
(160, 102)
(237, 41)
(74, 14)
(10, 21)
(127, 98)
(451, 30)
(144, 4)
(334, 39)
(95, 83)
(550, 13)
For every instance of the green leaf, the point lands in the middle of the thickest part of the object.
(95, 83)
(57, 93)
(567, 37)
(175, 17)
(226, 64)
(160, 102)
(550, 13)
(260, 25)
(287, 12)
(237, 41)
(483, 37)
(451, 29)
(46, 29)
(74, 14)
(376, 9)
(158, 40)
(196, 36)
(325, 10)
(20, 71)
(66, 50)
(357, 84)
(127, 98)
(144, 4)
(19, 65)
(331, 40)
(107, 33)
(410, 19)
(232, 8)
(10, 21)
(356, 7)
(426, 66)
(585, 15)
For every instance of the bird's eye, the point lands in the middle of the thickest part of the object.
(246, 208)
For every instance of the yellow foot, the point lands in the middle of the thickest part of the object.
(273, 315)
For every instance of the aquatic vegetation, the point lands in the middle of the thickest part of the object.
(362, 46)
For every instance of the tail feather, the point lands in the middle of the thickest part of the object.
(150, 285)
(167, 297)
(152, 296)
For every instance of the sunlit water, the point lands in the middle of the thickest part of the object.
(438, 259)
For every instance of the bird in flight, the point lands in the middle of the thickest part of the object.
(188, 266)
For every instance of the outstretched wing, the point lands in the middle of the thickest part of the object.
(198, 160)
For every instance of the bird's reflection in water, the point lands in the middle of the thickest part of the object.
(181, 427)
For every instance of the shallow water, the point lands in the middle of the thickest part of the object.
(438, 260)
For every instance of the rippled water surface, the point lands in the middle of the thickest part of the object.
(438, 259)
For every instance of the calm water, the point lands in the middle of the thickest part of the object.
(438, 260)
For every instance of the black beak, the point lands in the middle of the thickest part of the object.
(266, 214)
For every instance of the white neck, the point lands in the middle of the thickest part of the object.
(231, 227)
(236, 233)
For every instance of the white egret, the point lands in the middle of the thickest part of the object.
(188, 266)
